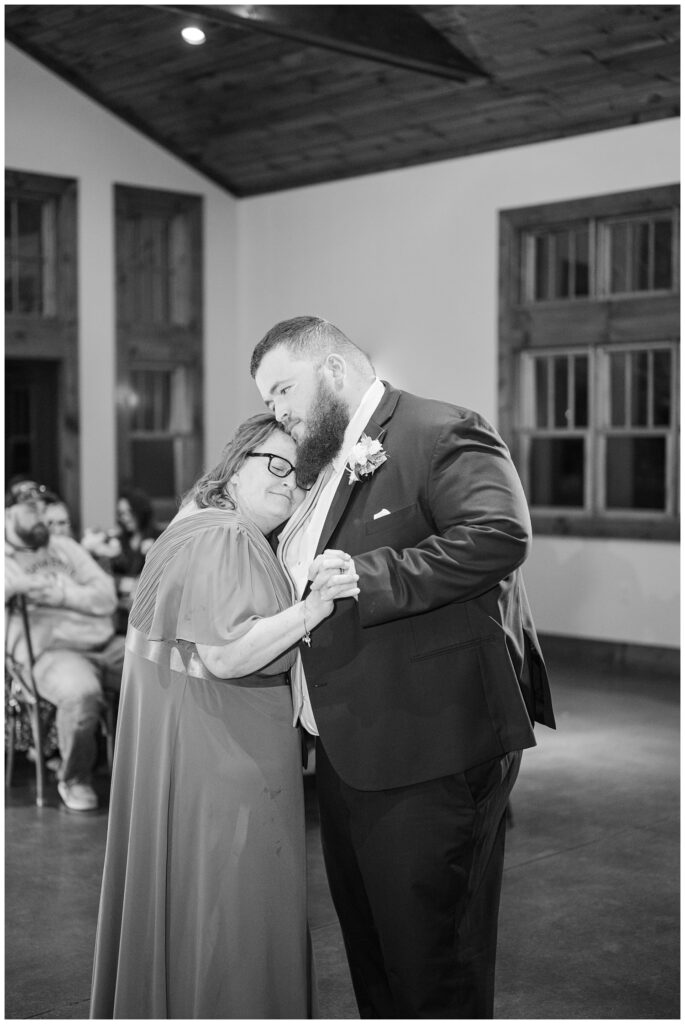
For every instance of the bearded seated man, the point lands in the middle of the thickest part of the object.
(70, 604)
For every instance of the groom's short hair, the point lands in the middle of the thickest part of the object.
(309, 336)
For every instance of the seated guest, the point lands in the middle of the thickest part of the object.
(70, 603)
(123, 550)
(56, 516)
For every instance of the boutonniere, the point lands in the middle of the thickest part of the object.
(367, 455)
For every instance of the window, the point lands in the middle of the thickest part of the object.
(600, 256)
(160, 427)
(41, 331)
(155, 282)
(590, 352)
(159, 342)
(590, 456)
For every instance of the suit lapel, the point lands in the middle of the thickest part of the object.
(374, 428)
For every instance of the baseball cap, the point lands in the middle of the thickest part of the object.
(26, 491)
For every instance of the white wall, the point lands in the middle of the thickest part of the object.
(52, 128)
(406, 263)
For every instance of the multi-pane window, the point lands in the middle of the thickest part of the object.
(639, 428)
(599, 429)
(558, 410)
(161, 422)
(30, 256)
(159, 341)
(154, 249)
(557, 263)
(599, 257)
(589, 351)
(639, 254)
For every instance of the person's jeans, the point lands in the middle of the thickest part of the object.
(71, 680)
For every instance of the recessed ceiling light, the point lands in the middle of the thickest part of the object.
(193, 35)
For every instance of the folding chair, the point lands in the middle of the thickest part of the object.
(26, 710)
(22, 701)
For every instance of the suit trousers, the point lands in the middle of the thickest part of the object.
(415, 874)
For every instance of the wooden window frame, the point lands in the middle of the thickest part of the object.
(597, 323)
(162, 345)
(35, 337)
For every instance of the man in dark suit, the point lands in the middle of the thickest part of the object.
(422, 690)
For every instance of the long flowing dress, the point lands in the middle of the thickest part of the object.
(203, 903)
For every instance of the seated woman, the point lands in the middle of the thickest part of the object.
(122, 551)
(203, 905)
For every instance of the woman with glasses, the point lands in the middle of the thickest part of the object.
(203, 904)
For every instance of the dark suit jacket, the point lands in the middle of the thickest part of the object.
(437, 666)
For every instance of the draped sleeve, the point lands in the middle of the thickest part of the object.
(209, 586)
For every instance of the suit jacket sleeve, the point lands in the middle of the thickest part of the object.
(481, 529)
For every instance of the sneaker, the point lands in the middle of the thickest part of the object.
(78, 796)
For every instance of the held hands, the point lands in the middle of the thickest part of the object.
(333, 576)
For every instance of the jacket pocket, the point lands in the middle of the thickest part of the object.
(396, 516)
(447, 648)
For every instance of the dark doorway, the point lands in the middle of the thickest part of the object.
(31, 420)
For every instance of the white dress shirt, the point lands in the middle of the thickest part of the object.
(301, 535)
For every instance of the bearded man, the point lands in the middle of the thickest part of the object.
(70, 603)
(424, 689)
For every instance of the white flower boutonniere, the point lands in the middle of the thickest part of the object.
(367, 455)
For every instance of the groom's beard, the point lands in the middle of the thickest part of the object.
(325, 431)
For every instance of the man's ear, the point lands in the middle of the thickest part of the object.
(336, 367)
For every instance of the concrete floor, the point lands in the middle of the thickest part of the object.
(589, 924)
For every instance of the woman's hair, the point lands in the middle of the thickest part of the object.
(210, 491)
(141, 506)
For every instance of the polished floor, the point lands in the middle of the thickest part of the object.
(589, 925)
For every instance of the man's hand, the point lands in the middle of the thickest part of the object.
(46, 589)
(333, 576)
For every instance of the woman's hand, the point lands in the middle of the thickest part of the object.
(333, 576)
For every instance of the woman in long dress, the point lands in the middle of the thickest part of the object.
(203, 904)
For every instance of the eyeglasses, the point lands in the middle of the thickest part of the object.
(277, 465)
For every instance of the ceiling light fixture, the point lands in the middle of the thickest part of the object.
(193, 35)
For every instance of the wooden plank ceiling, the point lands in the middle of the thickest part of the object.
(285, 96)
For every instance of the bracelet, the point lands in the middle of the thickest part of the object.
(307, 638)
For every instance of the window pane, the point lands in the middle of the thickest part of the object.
(541, 265)
(581, 396)
(582, 262)
(153, 466)
(557, 472)
(638, 389)
(617, 388)
(152, 390)
(636, 473)
(640, 253)
(541, 393)
(662, 388)
(560, 391)
(562, 266)
(29, 223)
(29, 288)
(663, 254)
(618, 240)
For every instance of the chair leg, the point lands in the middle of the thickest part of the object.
(37, 731)
(11, 743)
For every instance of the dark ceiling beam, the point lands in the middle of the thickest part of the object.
(392, 34)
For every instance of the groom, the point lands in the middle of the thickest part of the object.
(423, 690)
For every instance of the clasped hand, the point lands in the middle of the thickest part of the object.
(333, 576)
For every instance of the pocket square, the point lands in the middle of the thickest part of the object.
(383, 512)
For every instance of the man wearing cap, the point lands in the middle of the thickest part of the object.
(70, 603)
